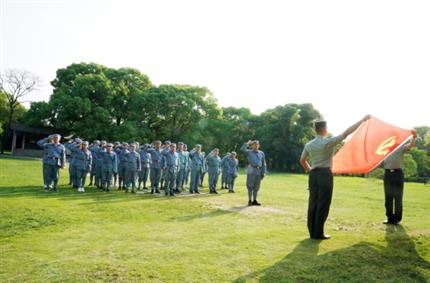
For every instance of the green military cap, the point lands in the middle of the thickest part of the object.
(85, 142)
(198, 145)
(125, 143)
(173, 144)
(167, 142)
(180, 143)
(117, 143)
(109, 145)
(255, 142)
(157, 142)
(78, 140)
(103, 142)
(97, 142)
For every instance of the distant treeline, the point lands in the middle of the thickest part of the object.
(96, 102)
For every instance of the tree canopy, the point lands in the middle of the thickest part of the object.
(97, 102)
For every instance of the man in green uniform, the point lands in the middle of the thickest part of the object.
(320, 152)
(394, 182)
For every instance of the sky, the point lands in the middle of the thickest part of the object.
(347, 58)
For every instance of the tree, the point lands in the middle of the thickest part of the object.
(14, 85)
(91, 100)
(410, 166)
(283, 132)
(422, 160)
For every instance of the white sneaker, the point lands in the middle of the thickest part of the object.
(82, 190)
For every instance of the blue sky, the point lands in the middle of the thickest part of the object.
(348, 58)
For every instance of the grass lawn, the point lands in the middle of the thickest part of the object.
(94, 236)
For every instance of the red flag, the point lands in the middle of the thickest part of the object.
(368, 147)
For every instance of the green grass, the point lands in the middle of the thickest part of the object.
(71, 237)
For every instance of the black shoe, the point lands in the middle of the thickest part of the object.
(249, 203)
(323, 237)
(157, 191)
(215, 192)
(387, 222)
(396, 222)
(152, 192)
(197, 192)
(255, 202)
(191, 192)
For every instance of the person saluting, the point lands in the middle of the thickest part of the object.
(319, 152)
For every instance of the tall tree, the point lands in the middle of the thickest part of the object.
(15, 85)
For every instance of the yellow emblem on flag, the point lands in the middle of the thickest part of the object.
(384, 147)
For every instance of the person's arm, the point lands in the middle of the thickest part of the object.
(192, 152)
(90, 161)
(115, 164)
(264, 165)
(304, 161)
(139, 165)
(43, 142)
(63, 158)
(354, 127)
(244, 147)
(413, 141)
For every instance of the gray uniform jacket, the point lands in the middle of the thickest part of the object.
(82, 158)
(109, 161)
(256, 160)
(156, 157)
(132, 161)
(213, 163)
(55, 153)
(196, 160)
(171, 160)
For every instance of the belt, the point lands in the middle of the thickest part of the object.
(393, 170)
(255, 166)
(321, 169)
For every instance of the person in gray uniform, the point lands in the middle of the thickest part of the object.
(183, 164)
(213, 162)
(394, 182)
(224, 171)
(117, 149)
(109, 161)
(145, 164)
(44, 169)
(188, 168)
(83, 160)
(232, 171)
(320, 152)
(132, 167)
(197, 160)
(170, 169)
(121, 165)
(165, 149)
(99, 165)
(54, 159)
(204, 171)
(94, 148)
(256, 171)
(156, 163)
(73, 171)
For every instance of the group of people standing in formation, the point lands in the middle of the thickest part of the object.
(171, 167)
(168, 166)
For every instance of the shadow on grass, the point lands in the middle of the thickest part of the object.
(68, 193)
(364, 262)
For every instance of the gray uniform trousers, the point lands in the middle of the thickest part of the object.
(213, 178)
(195, 180)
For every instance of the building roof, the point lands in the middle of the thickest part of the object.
(26, 129)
